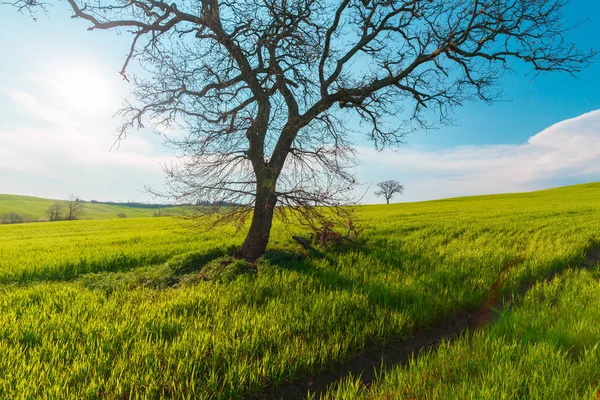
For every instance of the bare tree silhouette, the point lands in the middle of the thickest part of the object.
(388, 189)
(265, 89)
(73, 208)
(55, 211)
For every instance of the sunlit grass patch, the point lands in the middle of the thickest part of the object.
(546, 348)
(118, 308)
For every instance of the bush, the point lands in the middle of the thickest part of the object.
(12, 218)
(121, 215)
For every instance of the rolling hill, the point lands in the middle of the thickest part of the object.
(34, 208)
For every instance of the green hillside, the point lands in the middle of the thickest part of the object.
(34, 208)
(147, 308)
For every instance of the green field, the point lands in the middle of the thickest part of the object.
(119, 308)
(34, 208)
(546, 348)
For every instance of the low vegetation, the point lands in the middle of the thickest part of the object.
(145, 308)
(14, 218)
(546, 348)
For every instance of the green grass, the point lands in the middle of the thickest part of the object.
(67, 249)
(88, 309)
(547, 348)
(34, 208)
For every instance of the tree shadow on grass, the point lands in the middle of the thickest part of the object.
(329, 277)
(374, 360)
(160, 276)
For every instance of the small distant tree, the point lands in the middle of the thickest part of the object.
(74, 208)
(55, 211)
(15, 218)
(388, 189)
(12, 218)
(121, 215)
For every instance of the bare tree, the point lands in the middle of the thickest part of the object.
(388, 189)
(264, 88)
(73, 208)
(12, 218)
(55, 211)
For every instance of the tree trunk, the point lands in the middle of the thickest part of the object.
(260, 229)
(388, 200)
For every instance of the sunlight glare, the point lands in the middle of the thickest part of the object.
(84, 90)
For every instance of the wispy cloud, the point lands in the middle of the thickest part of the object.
(74, 153)
(566, 152)
(30, 104)
(71, 154)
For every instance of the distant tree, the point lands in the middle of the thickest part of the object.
(121, 215)
(16, 218)
(266, 90)
(388, 189)
(12, 218)
(73, 208)
(159, 213)
(55, 211)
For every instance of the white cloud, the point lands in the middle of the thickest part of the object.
(71, 153)
(55, 153)
(566, 152)
(31, 105)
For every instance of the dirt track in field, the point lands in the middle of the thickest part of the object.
(369, 365)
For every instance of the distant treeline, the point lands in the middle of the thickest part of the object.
(131, 204)
(15, 218)
(202, 203)
(206, 203)
(70, 210)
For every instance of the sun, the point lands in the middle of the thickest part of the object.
(85, 90)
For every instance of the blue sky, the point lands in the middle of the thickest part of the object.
(54, 142)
